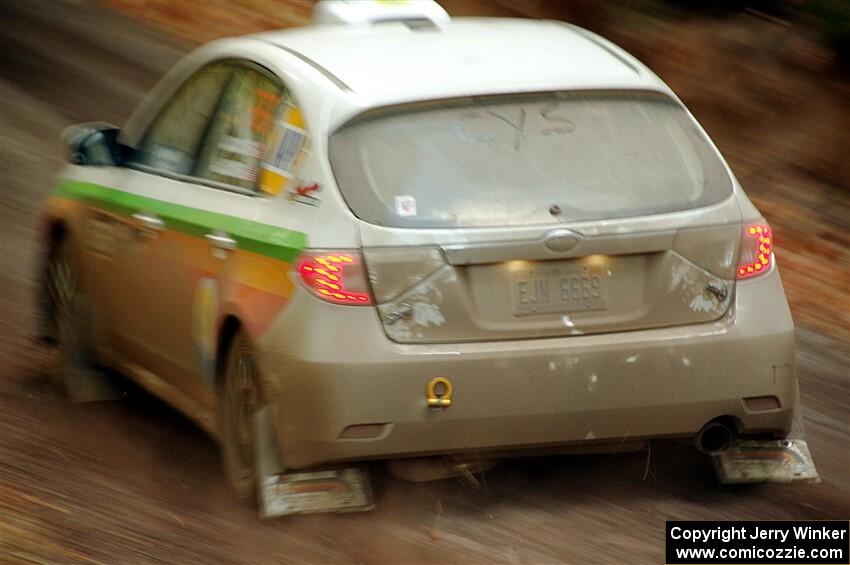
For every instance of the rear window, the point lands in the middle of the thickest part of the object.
(525, 160)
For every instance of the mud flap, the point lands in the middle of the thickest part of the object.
(326, 490)
(767, 461)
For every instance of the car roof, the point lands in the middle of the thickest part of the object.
(383, 64)
(467, 55)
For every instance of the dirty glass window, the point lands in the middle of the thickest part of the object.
(173, 140)
(499, 161)
(244, 122)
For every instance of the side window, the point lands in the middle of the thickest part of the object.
(236, 144)
(173, 140)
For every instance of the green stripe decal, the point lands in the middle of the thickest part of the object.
(262, 239)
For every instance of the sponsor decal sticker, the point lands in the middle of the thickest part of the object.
(405, 205)
(306, 192)
(284, 153)
(240, 146)
(233, 169)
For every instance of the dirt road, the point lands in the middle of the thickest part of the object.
(134, 482)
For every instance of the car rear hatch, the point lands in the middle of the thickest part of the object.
(540, 215)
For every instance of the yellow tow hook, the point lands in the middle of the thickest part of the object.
(442, 397)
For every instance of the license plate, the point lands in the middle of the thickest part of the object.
(559, 288)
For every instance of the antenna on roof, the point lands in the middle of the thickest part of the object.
(367, 12)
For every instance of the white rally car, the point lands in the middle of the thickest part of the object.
(397, 235)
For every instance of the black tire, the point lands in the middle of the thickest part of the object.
(62, 296)
(239, 399)
(68, 318)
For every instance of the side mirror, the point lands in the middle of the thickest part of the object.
(94, 144)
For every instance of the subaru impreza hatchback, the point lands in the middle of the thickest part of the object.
(419, 236)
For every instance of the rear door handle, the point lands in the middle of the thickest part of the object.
(149, 221)
(221, 240)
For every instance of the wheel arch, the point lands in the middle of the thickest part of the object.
(228, 329)
(55, 231)
(231, 325)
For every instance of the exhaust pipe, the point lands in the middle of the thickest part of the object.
(715, 438)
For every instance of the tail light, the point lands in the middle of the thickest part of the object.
(338, 277)
(756, 251)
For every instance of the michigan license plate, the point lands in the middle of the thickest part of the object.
(558, 288)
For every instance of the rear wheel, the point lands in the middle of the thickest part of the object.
(239, 400)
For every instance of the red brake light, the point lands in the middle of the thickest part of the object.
(756, 251)
(337, 277)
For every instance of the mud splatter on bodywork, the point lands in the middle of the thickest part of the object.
(422, 297)
(692, 283)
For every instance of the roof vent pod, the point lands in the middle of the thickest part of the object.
(367, 12)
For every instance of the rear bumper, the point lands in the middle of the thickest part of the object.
(338, 369)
